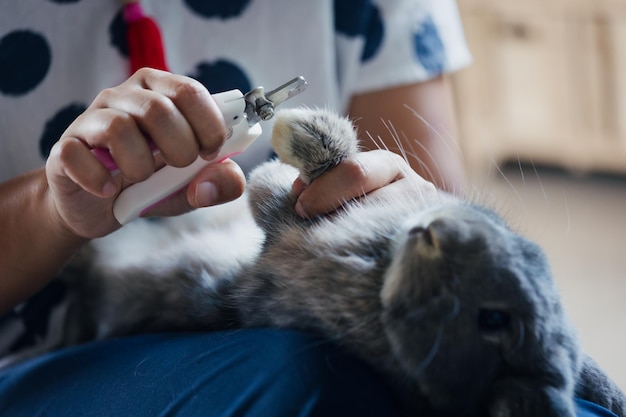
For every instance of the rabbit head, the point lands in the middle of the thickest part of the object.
(473, 317)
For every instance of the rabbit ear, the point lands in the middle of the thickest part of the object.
(528, 397)
(594, 385)
(539, 382)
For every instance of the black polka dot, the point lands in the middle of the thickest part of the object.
(218, 9)
(360, 18)
(117, 34)
(350, 16)
(55, 127)
(373, 35)
(221, 76)
(24, 61)
(36, 313)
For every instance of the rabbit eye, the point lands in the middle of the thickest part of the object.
(491, 320)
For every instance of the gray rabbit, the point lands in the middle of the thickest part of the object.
(457, 311)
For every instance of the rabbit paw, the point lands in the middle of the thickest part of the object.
(313, 140)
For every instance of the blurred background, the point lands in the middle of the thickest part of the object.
(542, 113)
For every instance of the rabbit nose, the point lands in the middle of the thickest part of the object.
(440, 234)
(423, 234)
(426, 240)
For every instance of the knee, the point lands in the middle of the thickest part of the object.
(315, 377)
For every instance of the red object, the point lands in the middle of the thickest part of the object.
(145, 46)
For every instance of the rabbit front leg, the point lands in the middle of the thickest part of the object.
(313, 140)
(525, 397)
(270, 197)
(310, 140)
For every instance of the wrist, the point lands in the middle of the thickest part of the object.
(54, 222)
(36, 243)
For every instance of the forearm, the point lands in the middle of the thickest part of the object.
(34, 244)
(418, 121)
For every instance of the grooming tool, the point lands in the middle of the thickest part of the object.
(242, 113)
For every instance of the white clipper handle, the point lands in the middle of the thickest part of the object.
(139, 197)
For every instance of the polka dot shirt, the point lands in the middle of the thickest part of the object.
(56, 55)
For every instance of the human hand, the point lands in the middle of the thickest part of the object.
(175, 112)
(375, 174)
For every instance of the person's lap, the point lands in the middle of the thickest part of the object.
(254, 372)
(235, 373)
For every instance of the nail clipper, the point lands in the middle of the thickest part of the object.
(242, 113)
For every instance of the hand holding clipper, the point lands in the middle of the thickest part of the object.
(242, 112)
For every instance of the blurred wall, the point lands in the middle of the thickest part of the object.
(548, 83)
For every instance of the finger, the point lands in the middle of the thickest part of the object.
(117, 132)
(298, 187)
(158, 118)
(216, 184)
(196, 104)
(71, 158)
(422, 190)
(356, 176)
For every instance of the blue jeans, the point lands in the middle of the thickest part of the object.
(255, 372)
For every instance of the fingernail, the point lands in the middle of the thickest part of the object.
(300, 210)
(109, 189)
(298, 187)
(208, 155)
(206, 194)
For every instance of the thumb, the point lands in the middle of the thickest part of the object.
(216, 184)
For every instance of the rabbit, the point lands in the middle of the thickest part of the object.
(454, 309)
